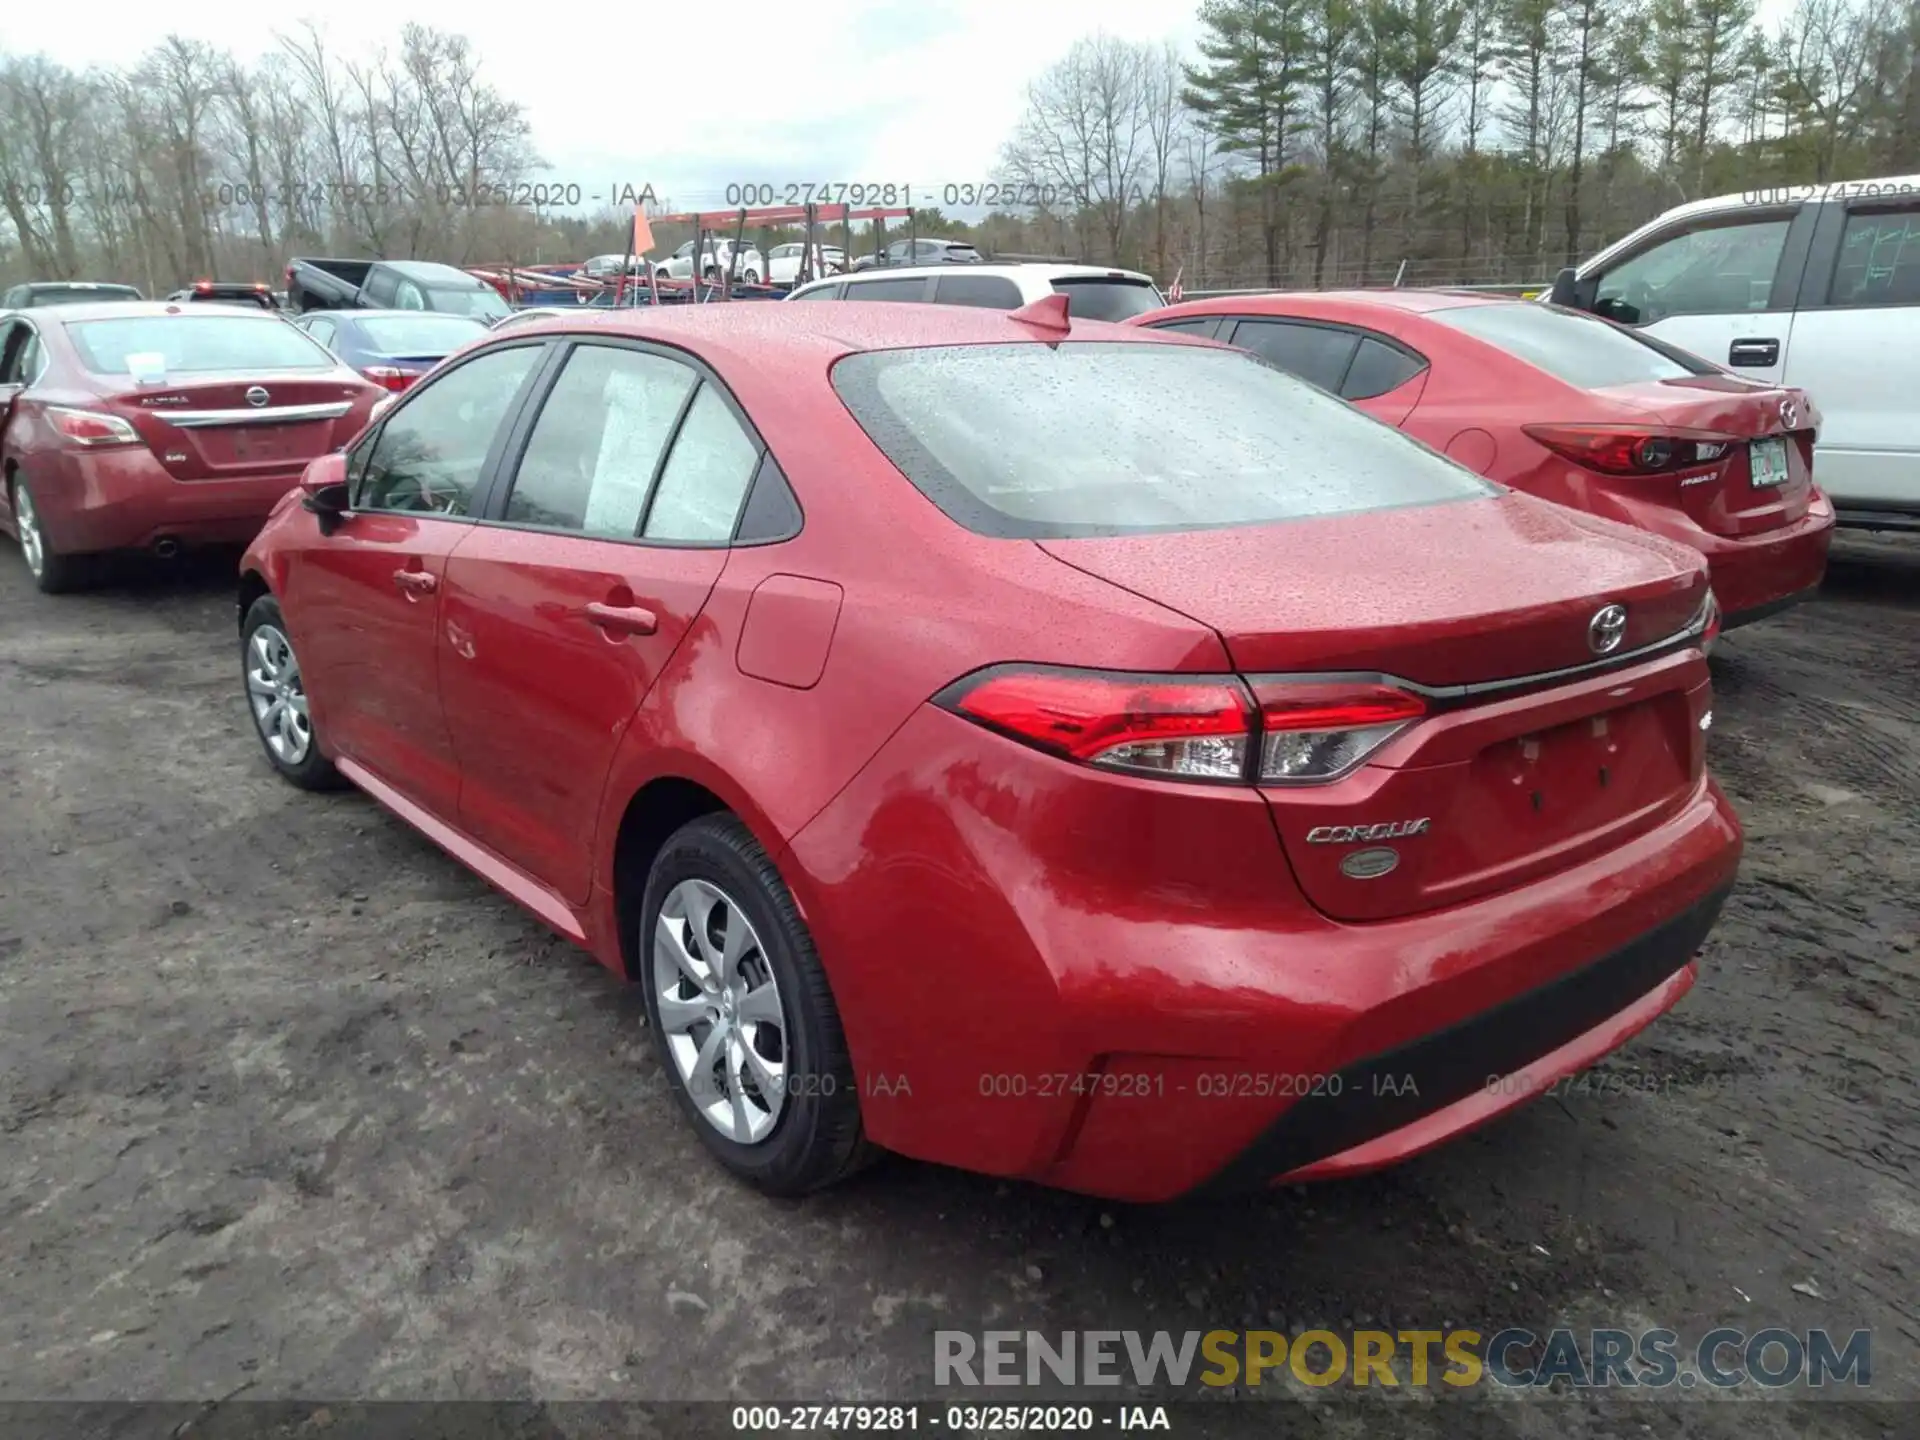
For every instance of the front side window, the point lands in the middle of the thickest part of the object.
(817, 292)
(482, 302)
(706, 477)
(593, 452)
(155, 346)
(1580, 349)
(1879, 260)
(429, 454)
(1719, 270)
(1102, 438)
(911, 287)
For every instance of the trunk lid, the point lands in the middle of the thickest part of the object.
(1361, 592)
(1489, 789)
(208, 428)
(1747, 493)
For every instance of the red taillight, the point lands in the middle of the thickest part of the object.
(90, 428)
(1317, 730)
(203, 287)
(389, 378)
(1174, 727)
(1634, 450)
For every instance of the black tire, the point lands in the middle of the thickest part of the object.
(313, 771)
(817, 1139)
(58, 574)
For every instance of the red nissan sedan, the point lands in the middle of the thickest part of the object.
(153, 426)
(1571, 408)
(1038, 746)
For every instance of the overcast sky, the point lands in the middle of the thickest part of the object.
(908, 92)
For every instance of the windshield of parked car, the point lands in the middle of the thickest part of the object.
(1580, 349)
(484, 301)
(1112, 439)
(202, 341)
(421, 334)
(1103, 298)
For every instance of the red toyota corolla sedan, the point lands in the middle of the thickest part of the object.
(1057, 750)
(1571, 408)
(149, 426)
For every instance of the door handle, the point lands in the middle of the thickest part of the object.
(1754, 353)
(623, 619)
(416, 582)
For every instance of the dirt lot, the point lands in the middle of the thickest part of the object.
(292, 1106)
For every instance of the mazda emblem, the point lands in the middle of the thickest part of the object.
(257, 395)
(1789, 413)
(1607, 629)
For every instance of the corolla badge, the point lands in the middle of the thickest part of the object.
(1607, 629)
(257, 395)
(1355, 834)
(1789, 413)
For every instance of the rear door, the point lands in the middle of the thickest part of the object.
(1856, 351)
(364, 601)
(1721, 285)
(604, 540)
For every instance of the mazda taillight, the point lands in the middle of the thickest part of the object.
(1216, 728)
(90, 428)
(1634, 450)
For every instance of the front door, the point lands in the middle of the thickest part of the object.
(372, 663)
(560, 617)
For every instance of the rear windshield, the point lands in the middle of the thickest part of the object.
(421, 334)
(483, 302)
(1103, 299)
(1580, 349)
(188, 344)
(1115, 439)
(80, 294)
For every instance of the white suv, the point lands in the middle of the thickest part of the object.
(719, 262)
(1812, 285)
(1093, 293)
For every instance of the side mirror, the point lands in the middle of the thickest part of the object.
(325, 490)
(1571, 291)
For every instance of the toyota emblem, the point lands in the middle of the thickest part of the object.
(1607, 629)
(257, 395)
(1789, 413)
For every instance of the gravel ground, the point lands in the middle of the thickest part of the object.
(291, 1106)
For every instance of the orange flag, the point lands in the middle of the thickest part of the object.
(642, 232)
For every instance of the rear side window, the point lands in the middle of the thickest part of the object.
(1089, 438)
(818, 292)
(1200, 326)
(912, 287)
(1879, 259)
(1580, 349)
(1313, 352)
(160, 345)
(989, 292)
(1377, 368)
(706, 478)
(1106, 299)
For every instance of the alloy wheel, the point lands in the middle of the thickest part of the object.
(278, 697)
(27, 521)
(720, 1011)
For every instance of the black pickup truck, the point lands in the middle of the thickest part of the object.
(391, 285)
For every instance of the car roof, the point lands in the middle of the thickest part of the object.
(428, 270)
(772, 335)
(130, 309)
(1035, 269)
(1304, 302)
(1890, 186)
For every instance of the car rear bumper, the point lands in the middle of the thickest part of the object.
(1032, 986)
(126, 500)
(1763, 574)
